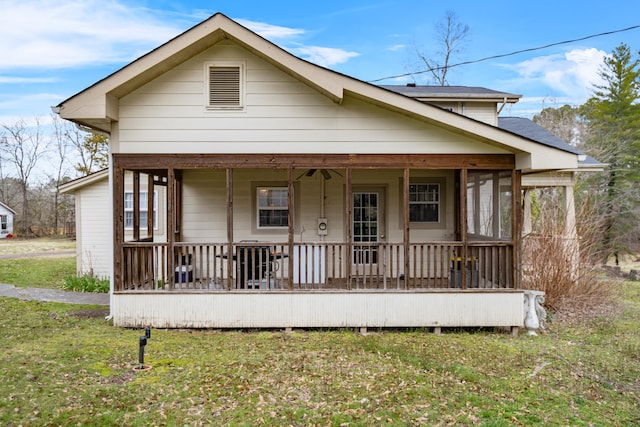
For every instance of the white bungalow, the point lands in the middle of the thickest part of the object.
(295, 196)
(6, 221)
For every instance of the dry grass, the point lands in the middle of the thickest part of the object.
(24, 246)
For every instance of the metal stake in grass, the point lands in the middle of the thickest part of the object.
(143, 343)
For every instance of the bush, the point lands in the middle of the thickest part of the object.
(86, 283)
(565, 267)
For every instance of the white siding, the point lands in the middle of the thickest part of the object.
(282, 115)
(94, 230)
(205, 214)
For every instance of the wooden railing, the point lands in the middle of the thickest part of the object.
(320, 266)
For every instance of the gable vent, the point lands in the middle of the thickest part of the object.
(224, 87)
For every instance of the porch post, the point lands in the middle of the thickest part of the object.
(150, 205)
(230, 227)
(290, 219)
(171, 224)
(527, 227)
(463, 226)
(516, 220)
(136, 206)
(348, 204)
(406, 233)
(118, 224)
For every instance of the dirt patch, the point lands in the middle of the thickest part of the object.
(94, 313)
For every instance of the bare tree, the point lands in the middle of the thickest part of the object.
(61, 150)
(451, 39)
(22, 146)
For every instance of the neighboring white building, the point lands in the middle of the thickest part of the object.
(6, 220)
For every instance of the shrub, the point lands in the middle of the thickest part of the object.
(565, 267)
(86, 283)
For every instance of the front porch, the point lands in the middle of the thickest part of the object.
(376, 266)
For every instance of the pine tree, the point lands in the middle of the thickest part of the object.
(613, 116)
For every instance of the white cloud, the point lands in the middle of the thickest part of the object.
(397, 47)
(54, 34)
(571, 75)
(324, 56)
(270, 32)
(22, 80)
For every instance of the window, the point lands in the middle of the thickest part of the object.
(128, 210)
(4, 219)
(273, 207)
(225, 86)
(424, 202)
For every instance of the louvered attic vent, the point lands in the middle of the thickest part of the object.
(224, 87)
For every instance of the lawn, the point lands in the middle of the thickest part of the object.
(22, 262)
(65, 364)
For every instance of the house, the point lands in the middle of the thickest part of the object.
(6, 221)
(295, 196)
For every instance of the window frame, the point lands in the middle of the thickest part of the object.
(241, 86)
(441, 181)
(259, 208)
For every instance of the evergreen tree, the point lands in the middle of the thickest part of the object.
(613, 116)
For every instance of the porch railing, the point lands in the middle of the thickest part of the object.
(320, 266)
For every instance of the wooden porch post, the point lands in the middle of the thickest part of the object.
(464, 229)
(516, 233)
(406, 234)
(230, 227)
(348, 204)
(118, 224)
(136, 206)
(150, 205)
(290, 219)
(171, 224)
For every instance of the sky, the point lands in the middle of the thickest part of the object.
(51, 50)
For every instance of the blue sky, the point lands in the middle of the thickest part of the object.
(50, 50)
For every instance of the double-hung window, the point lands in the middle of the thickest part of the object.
(273, 207)
(424, 202)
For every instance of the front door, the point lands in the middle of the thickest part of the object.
(367, 229)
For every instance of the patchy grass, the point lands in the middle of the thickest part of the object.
(17, 246)
(37, 272)
(62, 365)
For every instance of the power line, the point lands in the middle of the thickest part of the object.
(507, 54)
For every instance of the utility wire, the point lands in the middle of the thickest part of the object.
(507, 54)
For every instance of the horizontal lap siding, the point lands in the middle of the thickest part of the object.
(95, 233)
(282, 114)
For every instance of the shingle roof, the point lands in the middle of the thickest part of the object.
(451, 92)
(528, 129)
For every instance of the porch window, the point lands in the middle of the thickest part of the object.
(424, 202)
(489, 205)
(273, 207)
(128, 209)
(225, 86)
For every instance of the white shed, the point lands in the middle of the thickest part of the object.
(6, 221)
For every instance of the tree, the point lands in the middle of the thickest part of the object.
(613, 116)
(451, 39)
(565, 122)
(92, 150)
(22, 146)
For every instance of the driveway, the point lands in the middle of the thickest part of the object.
(54, 295)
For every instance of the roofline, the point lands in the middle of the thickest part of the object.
(7, 208)
(332, 84)
(78, 183)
